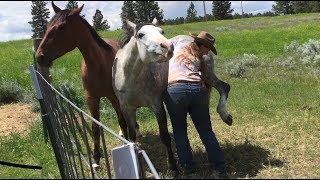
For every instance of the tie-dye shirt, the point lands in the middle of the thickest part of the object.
(183, 65)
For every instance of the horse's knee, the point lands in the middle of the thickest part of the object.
(225, 86)
(165, 139)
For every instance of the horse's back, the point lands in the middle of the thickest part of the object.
(184, 38)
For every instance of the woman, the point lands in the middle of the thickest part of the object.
(187, 93)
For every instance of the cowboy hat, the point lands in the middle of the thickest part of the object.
(205, 39)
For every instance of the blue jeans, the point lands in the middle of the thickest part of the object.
(193, 99)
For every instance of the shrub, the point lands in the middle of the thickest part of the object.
(235, 69)
(10, 91)
(249, 60)
(68, 91)
(238, 67)
(307, 53)
(289, 62)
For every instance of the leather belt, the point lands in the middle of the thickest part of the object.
(184, 81)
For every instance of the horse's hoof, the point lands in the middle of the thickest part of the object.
(95, 166)
(228, 120)
(172, 166)
(174, 173)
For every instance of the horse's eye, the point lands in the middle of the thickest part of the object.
(162, 31)
(140, 35)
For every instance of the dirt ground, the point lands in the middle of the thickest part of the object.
(16, 117)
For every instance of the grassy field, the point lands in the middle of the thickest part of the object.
(274, 100)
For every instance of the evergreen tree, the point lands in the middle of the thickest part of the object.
(300, 6)
(72, 5)
(191, 13)
(221, 10)
(127, 12)
(146, 11)
(98, 24)
(314, 6)
(156, 12)
(40, 16)
(283, 7)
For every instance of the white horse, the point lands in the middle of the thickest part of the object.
(140, 79)
(140, 75)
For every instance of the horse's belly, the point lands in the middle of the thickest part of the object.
(137, 98)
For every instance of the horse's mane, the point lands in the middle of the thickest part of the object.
(126, 35)
(61, 16)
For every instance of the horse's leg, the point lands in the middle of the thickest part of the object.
(164, 135)
(138, 133)
(130, 118)
(223, 88)
(93, 105)
(121, 119)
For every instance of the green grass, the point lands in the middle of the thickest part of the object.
(275, 108)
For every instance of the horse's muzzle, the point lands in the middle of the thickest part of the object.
(42, 60)
(170, 51)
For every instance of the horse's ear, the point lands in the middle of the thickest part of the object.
(131, 24)
(76, 11)
(55, 8)
(155, 22)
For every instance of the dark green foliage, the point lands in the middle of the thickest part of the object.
(40, 16)
(300, 6)
(306, 6)
(191, 13)
(221, 10)
(178, 20)
(73, 5)
(98, 23)
(141, 12)
(314, 6)
(127, 12)
(283, 7)
(147, 10)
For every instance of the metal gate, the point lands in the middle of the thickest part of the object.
(69, 131)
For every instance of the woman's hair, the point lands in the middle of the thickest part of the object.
(194, 49)
(190, 54)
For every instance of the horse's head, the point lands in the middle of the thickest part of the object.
(151, 44)
(60, 36)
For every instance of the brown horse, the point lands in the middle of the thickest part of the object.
(66, 31)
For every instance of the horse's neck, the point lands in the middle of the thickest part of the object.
(90, 50)
(130, 61)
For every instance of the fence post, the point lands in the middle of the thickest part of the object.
(36, 43)
(46, 123)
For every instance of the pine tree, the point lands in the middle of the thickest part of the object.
(191, 13)
(40, 16)
(72, 5)
(156, 12)
(146, 11)
(98, 24)
(300, 6)
(314, 6)
(127, 12)
(221, 10)
(283, 7)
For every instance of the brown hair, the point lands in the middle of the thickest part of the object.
(191, 54)
(194, 49)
